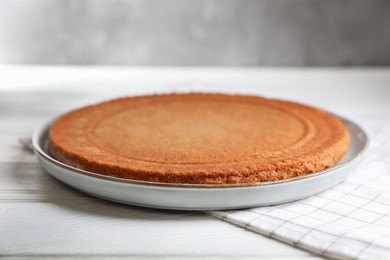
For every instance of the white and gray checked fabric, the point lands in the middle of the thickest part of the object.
(348, 221)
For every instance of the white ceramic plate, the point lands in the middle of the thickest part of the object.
(198, 196)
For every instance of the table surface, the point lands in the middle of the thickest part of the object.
(41, 217)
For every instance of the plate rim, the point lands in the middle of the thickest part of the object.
(41, 132)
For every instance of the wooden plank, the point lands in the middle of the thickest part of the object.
(41, 106)
(40, 216)
(110, 229)
(27, 182)
(12, 150)
(21, 125)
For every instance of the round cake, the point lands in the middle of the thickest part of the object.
(199, 139)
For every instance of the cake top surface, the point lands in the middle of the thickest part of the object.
(200, 138)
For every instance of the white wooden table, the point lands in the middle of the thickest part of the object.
(43, 218)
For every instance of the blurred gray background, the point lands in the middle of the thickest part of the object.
(196, 32)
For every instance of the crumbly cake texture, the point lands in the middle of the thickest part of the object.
(199, 139)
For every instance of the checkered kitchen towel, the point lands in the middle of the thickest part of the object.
(349, 221)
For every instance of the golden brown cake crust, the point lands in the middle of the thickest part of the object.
(199, 139)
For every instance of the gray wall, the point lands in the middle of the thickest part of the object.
(196, 32)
